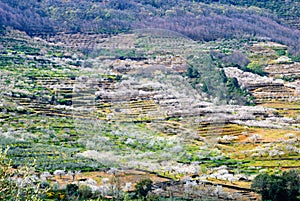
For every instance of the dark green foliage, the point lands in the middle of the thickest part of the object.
(295, 57)
(192, 72)
(290, 78)
(261, 185)
(236, 93)
(278, 187)
(85, 192)
(233, 84)
(281, 52)
(143, 187)
(205, 74)
(195, 76)
(204, 88)
(45, 185)
(72, 190)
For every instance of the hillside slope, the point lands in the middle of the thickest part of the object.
(194, 19)
(131, 102)
(192, 94)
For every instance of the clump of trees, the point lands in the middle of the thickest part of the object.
(239, 60)
(283, 9)
(198, 21)
(278, 187)
(236, 59)
(24, 19)
(205, 74)
(143, 187)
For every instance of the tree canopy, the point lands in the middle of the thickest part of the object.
(278, 187)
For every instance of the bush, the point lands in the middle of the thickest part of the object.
(255, 67)
(192, 72)
(281, 52)
(143, 187)
(295, 57)
(278, 187)
(72, 190)
(85, 191)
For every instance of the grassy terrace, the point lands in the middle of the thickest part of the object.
(291, 109)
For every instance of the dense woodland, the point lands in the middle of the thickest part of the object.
(195, 19)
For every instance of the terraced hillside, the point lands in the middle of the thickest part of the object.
(95, 102)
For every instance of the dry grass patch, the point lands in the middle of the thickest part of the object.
(123, 177)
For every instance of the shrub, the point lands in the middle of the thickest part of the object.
(294, 56)
(85, 191)
(281, 52)
(192, 72)
(72, 190)
(143, 187)
(255, 67)
(278, 187)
